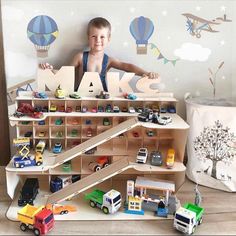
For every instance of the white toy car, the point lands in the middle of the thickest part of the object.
(142, 155)
(131, 110)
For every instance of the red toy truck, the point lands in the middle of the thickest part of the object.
(38, 219)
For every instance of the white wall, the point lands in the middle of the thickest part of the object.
(169, 34)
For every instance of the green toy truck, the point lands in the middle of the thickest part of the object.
(109, 202)
(188, 217)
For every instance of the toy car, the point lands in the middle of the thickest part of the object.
(57, 148)
(37, 115)
(45, 109)
(84, 109)
(41, 145)
(106, 121)
(53, 108)
(163, 110)
(156, 158)
(130, 96)
(58, 121)
(37, 108)
(74, 95)
(170, 159)
(139, 109)
(88, 122)
(124, 109)
(60, 209)
(162, 120)
(41, 122)
(69, 109)
(66, 166)
(150, 133)
(89, 132)
(100, 109)
(59, 93)
(145, 116)
(135, 134)
(103, 95)
(18, 114)
(61, 108)
(25, 122)
(91, 151)
(116, 109)
(94, 109)
(74, 122)
(171, 109)
(28, 134)
(42, 134)
(74, 133)
(59, 134)
(40, 95)
(108, 108)
(78, 108)
(142, 155)
(131, 110)
(101, 162)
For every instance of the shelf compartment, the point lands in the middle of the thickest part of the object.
(73, 132)
(73, 121)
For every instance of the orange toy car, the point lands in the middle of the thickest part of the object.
(61, 209)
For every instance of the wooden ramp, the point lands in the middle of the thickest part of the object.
(95, 141)
(89, 181)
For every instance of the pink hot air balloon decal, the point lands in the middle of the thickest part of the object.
(141, 29)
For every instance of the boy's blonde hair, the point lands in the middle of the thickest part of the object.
(99, 22)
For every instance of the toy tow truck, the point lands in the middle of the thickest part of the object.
(38, 219)
(188, 217)
(109, 202)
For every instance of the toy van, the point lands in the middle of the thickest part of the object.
(40, 146)
(170, 158)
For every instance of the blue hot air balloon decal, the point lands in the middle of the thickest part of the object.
(141, 29)
(42, 30)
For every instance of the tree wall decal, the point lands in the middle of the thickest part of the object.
(212, 144)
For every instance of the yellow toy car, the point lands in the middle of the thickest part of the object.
(59, 93)
(170, 159)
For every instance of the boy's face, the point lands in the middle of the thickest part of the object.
(98, 38)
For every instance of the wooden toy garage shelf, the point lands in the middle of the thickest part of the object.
(115, 135)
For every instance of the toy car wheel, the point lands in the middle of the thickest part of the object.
(200, 221)
(23, 227)
(36, 232)
(39, 163)
(65, 212)
(105, 210)
(105, 165)
(92, 204)
(97, 168)
(22, 166)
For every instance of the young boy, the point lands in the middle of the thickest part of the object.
(95, 60)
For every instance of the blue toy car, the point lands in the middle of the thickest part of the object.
(171, 109)
(57, 148)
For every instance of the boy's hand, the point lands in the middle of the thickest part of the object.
(45, 66)
(153, 75)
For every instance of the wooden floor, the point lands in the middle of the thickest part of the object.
(219, 218)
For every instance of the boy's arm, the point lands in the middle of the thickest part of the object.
(77, 60)
(128, 67)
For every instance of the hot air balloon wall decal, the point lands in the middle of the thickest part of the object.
(141, 28)
(42, 31)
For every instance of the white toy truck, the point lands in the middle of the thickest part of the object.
(187, 218)
(109, 202)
